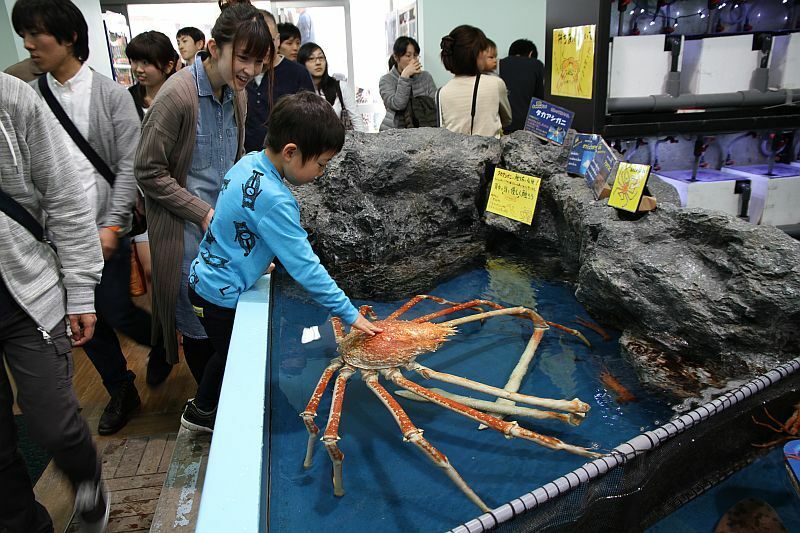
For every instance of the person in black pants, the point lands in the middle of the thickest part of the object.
(524, 77)
(105, 125)
(40, 293)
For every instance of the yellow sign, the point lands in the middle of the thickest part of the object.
(573, 61)
(628, 186)
(513, 195)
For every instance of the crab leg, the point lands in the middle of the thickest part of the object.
(366, 310)
(509, 429)
(331, 436)
(413, 434)
(520, 312)
(520, 370)
(338, 330)
(573, 419)
(311, 409)
(417, 299)
(571, 406)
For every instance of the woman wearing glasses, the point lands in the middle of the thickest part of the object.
(337, 94)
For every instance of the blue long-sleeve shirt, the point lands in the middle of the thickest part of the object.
(256, 218)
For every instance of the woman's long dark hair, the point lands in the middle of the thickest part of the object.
(155, 48)
(328, 85)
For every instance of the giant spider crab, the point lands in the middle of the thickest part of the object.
(398, 346)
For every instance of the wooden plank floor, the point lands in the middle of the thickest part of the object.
(136, 459)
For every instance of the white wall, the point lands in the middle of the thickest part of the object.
(11, 49)
(503, 21)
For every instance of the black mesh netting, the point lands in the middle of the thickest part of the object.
(647, 488)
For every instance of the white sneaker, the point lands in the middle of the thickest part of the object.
(92, 499)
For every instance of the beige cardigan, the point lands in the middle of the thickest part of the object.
(162, 162)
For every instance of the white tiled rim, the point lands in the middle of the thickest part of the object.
(628, 450)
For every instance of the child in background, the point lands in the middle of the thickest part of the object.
(487, 60)
(257, 219)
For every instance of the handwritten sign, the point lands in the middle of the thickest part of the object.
(513, 195)
(629, 186)
(573, 61)
(548, 121)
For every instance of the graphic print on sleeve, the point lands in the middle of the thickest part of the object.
(250, 190)
(225, 183)
(245, 237)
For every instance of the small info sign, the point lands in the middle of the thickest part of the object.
(513, 195)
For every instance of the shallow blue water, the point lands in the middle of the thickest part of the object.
(390, 485)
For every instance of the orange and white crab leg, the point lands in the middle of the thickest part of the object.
(417, 299)
(571, 406)
(573, 419)
(338, 330)
(311, 409)
(413, 434)
(520, 370)
(509, 429)
(331, 436)
(366, 311)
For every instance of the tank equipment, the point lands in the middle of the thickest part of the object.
(775, 195)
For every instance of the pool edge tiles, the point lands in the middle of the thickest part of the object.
(233, 487)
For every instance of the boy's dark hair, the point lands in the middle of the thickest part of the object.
(399, 49)
(60, 18)
(461, 48)
(155, 48)
(288, 31)
(523, 47)
(490, 45)
(191, 31)
(289, 123)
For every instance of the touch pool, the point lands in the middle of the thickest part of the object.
(389, 484)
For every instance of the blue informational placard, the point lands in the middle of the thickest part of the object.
(548, 121)
(582, 153)
(601, 169)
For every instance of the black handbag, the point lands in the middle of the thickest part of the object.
(139, 222)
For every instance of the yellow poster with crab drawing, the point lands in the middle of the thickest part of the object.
(513, 195)
(572, 71)
(628, 186)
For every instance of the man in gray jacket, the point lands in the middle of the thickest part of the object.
(55, 33)
(38, 290)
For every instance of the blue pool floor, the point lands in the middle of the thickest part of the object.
(389, 484)
(765, 479)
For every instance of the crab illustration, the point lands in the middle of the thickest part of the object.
(398, 346)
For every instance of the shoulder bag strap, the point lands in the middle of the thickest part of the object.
(20, 215)
(73, 132)
(474, 102)
(438, 109)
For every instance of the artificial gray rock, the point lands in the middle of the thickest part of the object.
(699, 291)
(396, 213)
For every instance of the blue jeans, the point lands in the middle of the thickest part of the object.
(115, 310)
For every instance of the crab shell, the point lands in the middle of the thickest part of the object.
(398, 345)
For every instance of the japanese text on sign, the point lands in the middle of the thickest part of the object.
(513, 195)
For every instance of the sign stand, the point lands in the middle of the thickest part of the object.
(647, 203)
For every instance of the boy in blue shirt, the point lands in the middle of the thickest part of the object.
(256, 219)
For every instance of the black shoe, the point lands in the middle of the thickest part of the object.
(157, 367)
(196, 420)
(123, 402)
